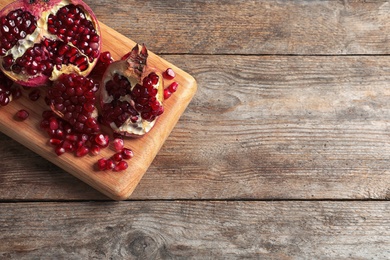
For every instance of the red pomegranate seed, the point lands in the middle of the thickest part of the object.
(53, 123)
(72, 137)
(22, 114)
(118, 144)
(121, 166)
(167, 93)
(82, 151)
(59, 150)
(110, 164)
(169, 74)
(102, 140)
(102, 164)
(55, 141)
(67, 145)
(117, 157)
(34, 94)
(95, 149)
(173, 87)
(127, 153)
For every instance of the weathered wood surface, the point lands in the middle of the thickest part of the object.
(274, 127)
(253, 27)
(292, 106)
(195, 230)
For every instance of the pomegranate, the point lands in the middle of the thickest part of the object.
(72, 98)
(42, 39)
(132, 94)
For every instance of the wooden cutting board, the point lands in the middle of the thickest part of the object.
(116, 185)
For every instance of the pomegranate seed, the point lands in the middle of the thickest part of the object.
(53, 123)
(95, 149)
(173, 87)
(34, 95)
(72, 137)
(118, 144)
(22, 114)
(59, 150)
(117, 157)
(169, 74)
(82, 151)
(121, 166)
(67, 145)
(102, 164)
(110, 164)
(55, 141)
(127, 153)
(167, 93)
(102, 140)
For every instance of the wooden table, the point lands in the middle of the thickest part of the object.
(282, 154)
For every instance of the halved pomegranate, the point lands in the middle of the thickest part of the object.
(132, 94)
(8, 90)
(42, 39)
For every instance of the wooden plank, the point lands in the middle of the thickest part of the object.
(200, 230)
(252, 27)
(270, 128)
(115, 185)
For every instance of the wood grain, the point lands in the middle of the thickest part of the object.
(195, 230)
(252, 27)
(274, 127)
(120, 185)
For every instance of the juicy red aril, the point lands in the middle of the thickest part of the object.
(117, 157)
(169, 74)
(95, 149)
(102, 164)
(105, 57)
(127, 153)
(173, 87)
(82, 151)
(167, 93)
(118, 144)
(59, 150)
(73, 97)
(102, 140)
(121, 166)
(22, 114)
(110, 164)
(34, 95)
(53, 123)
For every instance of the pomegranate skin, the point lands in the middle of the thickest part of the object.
(133, 108)
(47, 42)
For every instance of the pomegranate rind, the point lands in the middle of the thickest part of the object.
(41, 10)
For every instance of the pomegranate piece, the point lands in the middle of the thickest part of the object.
(72, 98)
(41, 40)
(22, 114)
(132, 94)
